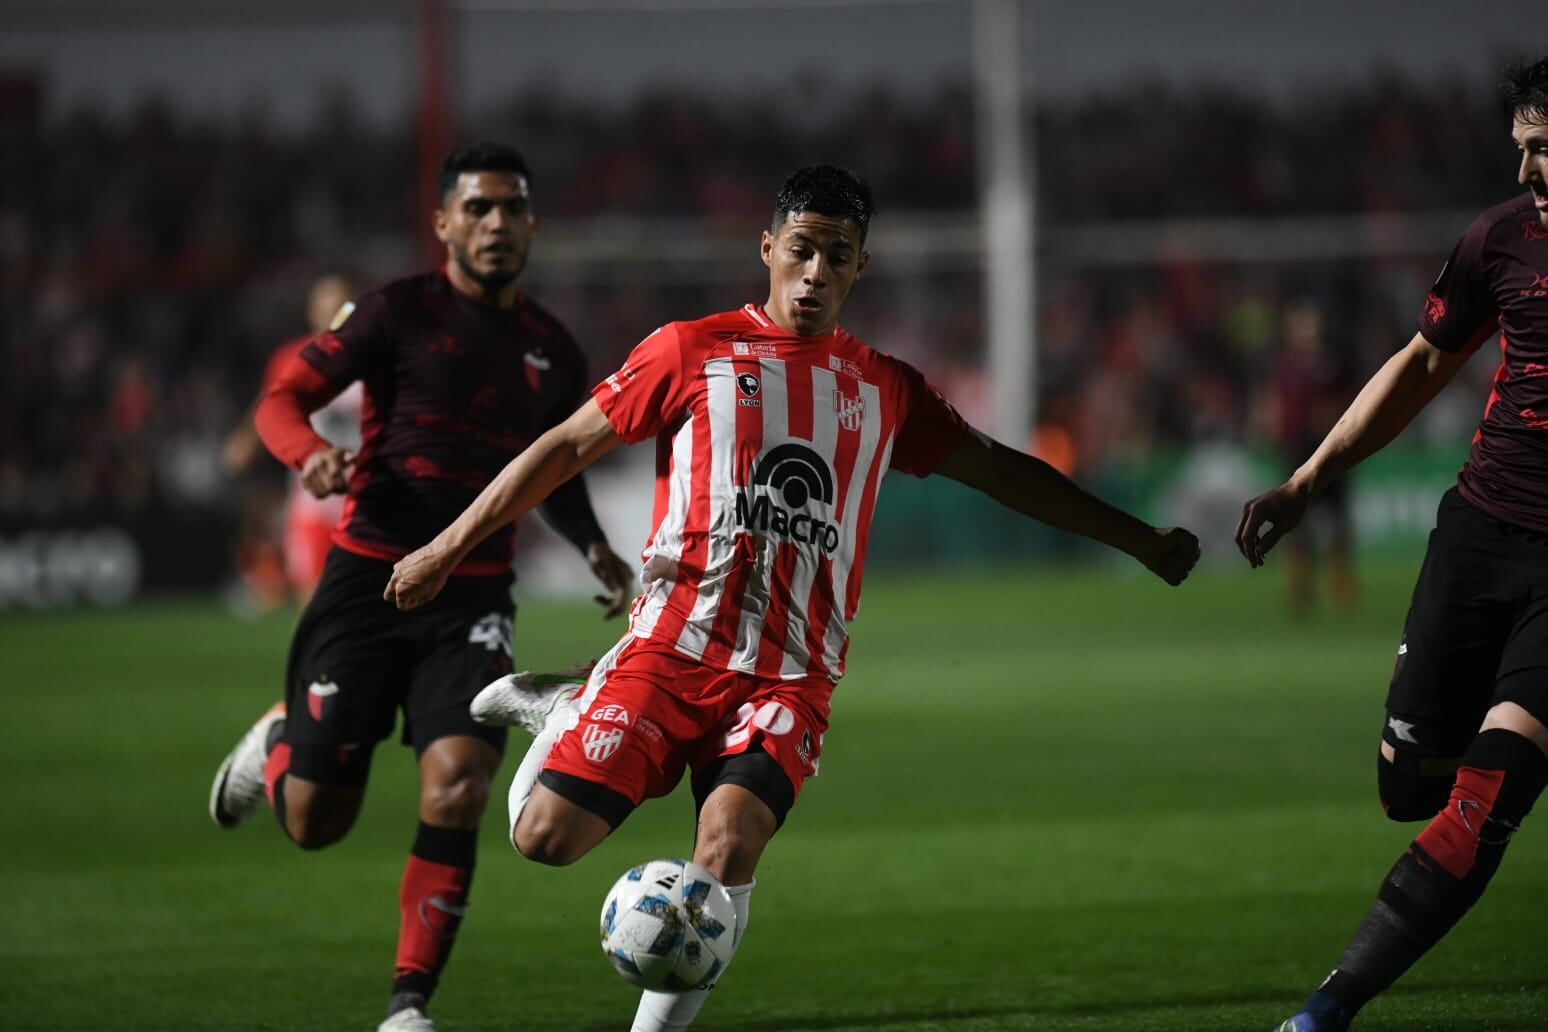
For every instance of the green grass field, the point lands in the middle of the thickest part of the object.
(1049, 800)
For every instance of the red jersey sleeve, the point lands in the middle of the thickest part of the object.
(930, 428)
(650, 391)
(1460, 312)
(292, 391)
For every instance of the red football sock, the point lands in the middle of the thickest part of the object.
(432, 899)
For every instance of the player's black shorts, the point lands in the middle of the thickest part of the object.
(1476, 633)
(355, 660)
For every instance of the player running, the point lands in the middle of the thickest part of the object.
(308, 520)
(773, 428)
(1465, 745)
(461, 371)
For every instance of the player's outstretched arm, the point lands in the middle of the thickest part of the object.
(1033, 488)
(1387, 403)
(529, 478)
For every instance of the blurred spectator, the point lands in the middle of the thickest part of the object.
(281, 544)
(147, 266)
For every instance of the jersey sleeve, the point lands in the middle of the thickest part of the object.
(650, 391)
(1460, 312)
(355, 344)
(930, 428)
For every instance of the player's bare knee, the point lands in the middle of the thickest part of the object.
(544, 840)
(316, 828)
(457, 803)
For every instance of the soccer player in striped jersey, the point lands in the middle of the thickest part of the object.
(773, 428)
(1465, 747)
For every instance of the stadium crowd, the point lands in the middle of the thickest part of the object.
(150, 265)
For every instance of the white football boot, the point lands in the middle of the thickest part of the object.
(526, 699)
(409, 1019)
(238, 787)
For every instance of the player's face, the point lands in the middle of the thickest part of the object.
(487, 224)
(1532, 138)
(813, 260)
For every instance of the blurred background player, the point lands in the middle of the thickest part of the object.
(1308, 384)
(774, 427)
(461, 371)
(281, 554)
(1466, 740)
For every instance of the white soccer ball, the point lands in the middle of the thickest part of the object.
(668, 925)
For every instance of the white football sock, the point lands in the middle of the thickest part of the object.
(674, 1012)
(564, 717)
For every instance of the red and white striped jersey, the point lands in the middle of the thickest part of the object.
(770, 450)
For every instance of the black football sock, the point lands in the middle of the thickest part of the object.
(1447, 867)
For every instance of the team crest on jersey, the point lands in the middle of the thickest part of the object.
(320, 699)
(536, 364)
(850, 411)
(601, 741)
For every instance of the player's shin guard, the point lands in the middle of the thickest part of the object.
(1447, 867)
(674, 1012)
(432, 899)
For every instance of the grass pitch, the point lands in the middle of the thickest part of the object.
(1069, 800)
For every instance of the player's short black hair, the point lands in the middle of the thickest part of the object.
(484, 156)
(826, 190)
(1524, 89)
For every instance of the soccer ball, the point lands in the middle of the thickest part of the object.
(668, 925)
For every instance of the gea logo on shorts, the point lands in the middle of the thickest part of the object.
(794, 475)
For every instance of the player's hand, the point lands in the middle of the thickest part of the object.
(326, 470)
(1282, 509)
(418, 577)
(1172, 554)
(617, 576)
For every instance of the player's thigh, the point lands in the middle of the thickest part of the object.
(1523, 672)
(632, 730)
(464, 641)
(770, 746)
(345, 673)
(1454, 636)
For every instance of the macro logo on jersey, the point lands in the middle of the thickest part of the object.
(785, 481)
(601, 741)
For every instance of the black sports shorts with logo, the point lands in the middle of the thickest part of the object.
(1476, 633)
(355, 660)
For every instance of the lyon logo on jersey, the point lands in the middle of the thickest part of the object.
(785, 482)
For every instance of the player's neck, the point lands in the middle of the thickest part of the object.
(503, 296)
